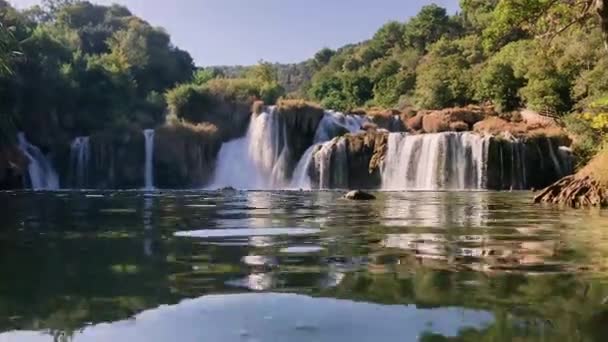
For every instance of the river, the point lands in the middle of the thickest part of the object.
(299, 266)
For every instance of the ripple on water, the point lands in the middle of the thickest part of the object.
(238, 232)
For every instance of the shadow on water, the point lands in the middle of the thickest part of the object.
(299, 266)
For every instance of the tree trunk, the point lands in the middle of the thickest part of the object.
(601, 8)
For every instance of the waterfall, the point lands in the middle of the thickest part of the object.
(42, 176)
(300, 179)
(435, 161)
(326, 155)
(260, 160)
(79, 162)
(256, 161)
(149, 165)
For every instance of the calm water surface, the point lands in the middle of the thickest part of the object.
(291, 266)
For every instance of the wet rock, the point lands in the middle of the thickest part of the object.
(358, 195)
(13, 165)
(227, 189)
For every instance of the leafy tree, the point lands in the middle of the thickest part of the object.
(497, 83)
(431, 24)
(323, 57)
(443, 77)
(389, 36)
(202, 76)
(543, 18)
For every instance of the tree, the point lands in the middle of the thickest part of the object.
(427, 27)
(443, 77)
(497, 83)
(543, 18)
(388, 37)
(322, 57)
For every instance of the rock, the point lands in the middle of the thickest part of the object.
(13, 165)
(435, 122)
(358, 195)
(459, 126)
(227, 189)
(415, 122)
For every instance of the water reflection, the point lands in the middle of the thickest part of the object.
(75, 260)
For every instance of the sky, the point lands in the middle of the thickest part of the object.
(242, 32)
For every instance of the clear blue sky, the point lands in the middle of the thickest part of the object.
(231, 32)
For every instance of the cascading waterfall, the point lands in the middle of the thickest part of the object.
(256, 161)
(327, 155)
(42, 175)
(260, 159)
(79, 162)
(435, 161)
(149, 164)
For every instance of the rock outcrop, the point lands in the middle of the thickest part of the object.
(117, 159)
(185, 155)
(350, 161)
(299, 120)
(448, 120)
(13, 166)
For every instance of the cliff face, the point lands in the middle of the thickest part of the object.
(351, 161)
(299, 120)
(117, 159)
(13, 166)
(527, 163)
(185, 155)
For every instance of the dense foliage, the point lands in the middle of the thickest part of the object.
(70, 67)
(74, 67)
(535, 53)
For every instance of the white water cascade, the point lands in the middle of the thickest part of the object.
(255, 161)
(149, 164)
(260, 159)
(42, 175)
(435, 161)
(320, 154)
(79, 162)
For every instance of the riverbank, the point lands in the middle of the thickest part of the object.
(587, 188)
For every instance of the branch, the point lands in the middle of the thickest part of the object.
(584, 16)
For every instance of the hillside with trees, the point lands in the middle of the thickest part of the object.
(72, 68)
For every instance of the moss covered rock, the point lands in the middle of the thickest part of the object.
(117, 158)
(185, 155)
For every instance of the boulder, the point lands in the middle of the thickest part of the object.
(459, 126)
(435, 122)
(415, 122)
(358, 195)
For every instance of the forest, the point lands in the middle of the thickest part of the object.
(71, 68)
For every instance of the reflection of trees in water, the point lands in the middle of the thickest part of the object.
(401, 249)
(545, 308)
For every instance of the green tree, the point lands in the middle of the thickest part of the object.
(431, 24)
(443, 77)
(542, 18)
(497, 83)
